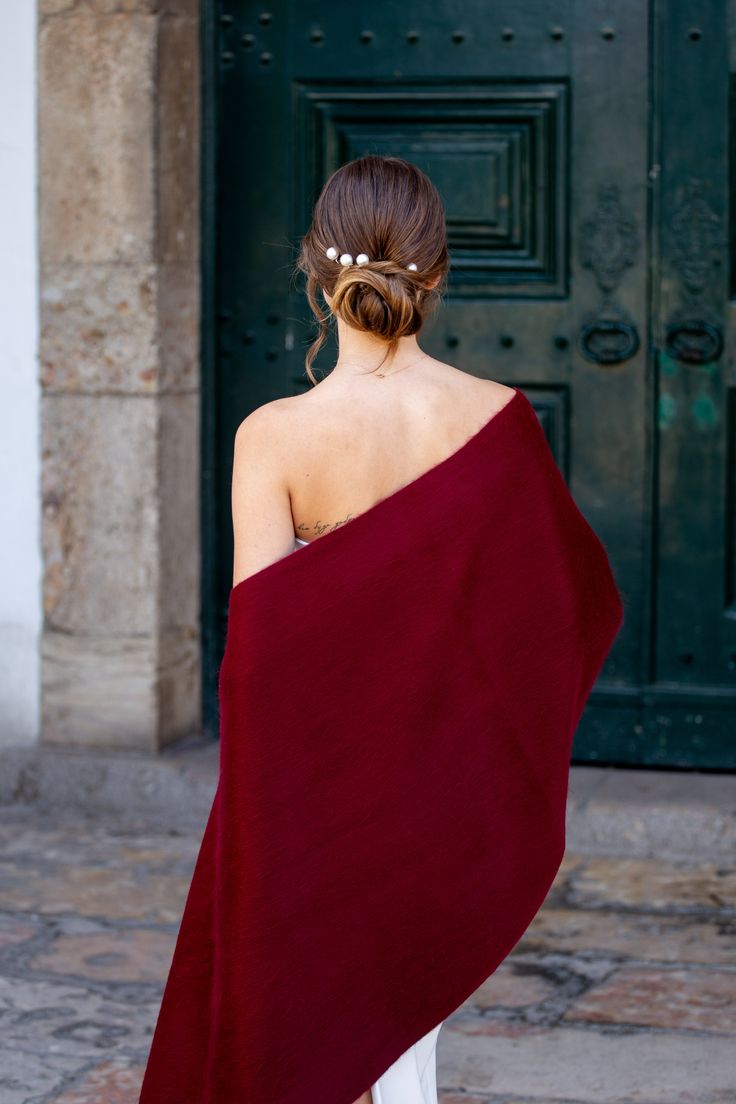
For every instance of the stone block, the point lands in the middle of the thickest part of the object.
(179, 514)
(130, 328)
(190, 9)
(568, 1064)
(637, 936)
(97, 128)
(178, 313)
(99, 328)
(673, 814)
(14, 931)
(179, 675)
(116, 692)
(187, 8)
(679, 999)
(177, 178)
(28, 1075)
(152, 897)
(101, 7)
(652, 884)
(466, 1098)
(111, 955)
(99, 691)
(113, 1082)
(101, 529)
(174, 788)
(100, 1021)
(511, 987)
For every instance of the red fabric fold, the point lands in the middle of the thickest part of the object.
(398, 702)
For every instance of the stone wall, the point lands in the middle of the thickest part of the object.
(118, 118)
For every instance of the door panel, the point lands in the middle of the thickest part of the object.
(694, 624)
(556, 133)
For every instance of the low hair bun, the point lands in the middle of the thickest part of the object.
(386, 212)
(385, 303)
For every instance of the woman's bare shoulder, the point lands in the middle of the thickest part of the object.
(289, 418)
(297, 416)
(500, 390)
(474, 387)
(271, 420)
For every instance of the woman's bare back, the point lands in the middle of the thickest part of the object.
(358, 439)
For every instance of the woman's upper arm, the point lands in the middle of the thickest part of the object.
(263, 528)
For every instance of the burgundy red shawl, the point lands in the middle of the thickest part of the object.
(398, 701)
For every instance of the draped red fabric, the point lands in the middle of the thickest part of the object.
(398, 701)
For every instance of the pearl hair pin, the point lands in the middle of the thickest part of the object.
(362, 258)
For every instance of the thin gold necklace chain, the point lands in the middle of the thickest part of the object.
(382, 375)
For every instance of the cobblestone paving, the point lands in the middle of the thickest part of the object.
(623, 990)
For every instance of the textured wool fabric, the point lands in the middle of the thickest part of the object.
(398, 701)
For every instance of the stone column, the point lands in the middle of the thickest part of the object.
(119, 301)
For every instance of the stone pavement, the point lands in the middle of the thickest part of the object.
(623, 990)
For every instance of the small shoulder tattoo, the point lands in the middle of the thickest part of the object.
(321, 527)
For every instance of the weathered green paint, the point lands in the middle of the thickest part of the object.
(668, 365)
(705, 413)
(666, 411)
(588, 208)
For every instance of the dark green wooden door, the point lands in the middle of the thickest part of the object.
(581, 151)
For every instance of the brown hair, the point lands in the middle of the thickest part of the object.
(389, 209)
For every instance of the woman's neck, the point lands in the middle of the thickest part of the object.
(360, 352)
